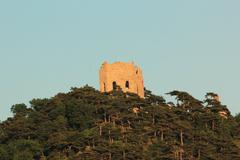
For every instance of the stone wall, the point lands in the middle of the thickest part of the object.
(126, 75)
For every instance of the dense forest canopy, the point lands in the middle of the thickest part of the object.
(85, 124)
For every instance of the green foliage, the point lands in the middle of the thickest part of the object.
(19, 109)
(4, 155)
(25, 149)
(87, 124)
(237, 117)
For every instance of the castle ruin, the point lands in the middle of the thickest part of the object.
(125, 75)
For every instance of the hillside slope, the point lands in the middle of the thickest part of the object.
(85, 124)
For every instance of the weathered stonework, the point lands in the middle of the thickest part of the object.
(126, 75)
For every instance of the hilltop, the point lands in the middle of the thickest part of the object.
(86, 124)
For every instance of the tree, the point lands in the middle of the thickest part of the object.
(25, 149)
(88, 124)
(4, 154)
(237, 118)
(19, 109)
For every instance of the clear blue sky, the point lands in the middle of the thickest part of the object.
(48, 46)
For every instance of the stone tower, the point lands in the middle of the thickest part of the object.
(126, 75)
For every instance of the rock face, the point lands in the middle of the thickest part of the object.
(126, 75)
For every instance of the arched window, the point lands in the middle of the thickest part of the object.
(127, 84)
(114, 85)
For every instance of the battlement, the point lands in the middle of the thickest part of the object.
(126, 75)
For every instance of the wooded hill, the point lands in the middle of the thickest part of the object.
(85, 124)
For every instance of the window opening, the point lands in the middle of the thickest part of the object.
(127, 84)
(104, 86)
(114, 85)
